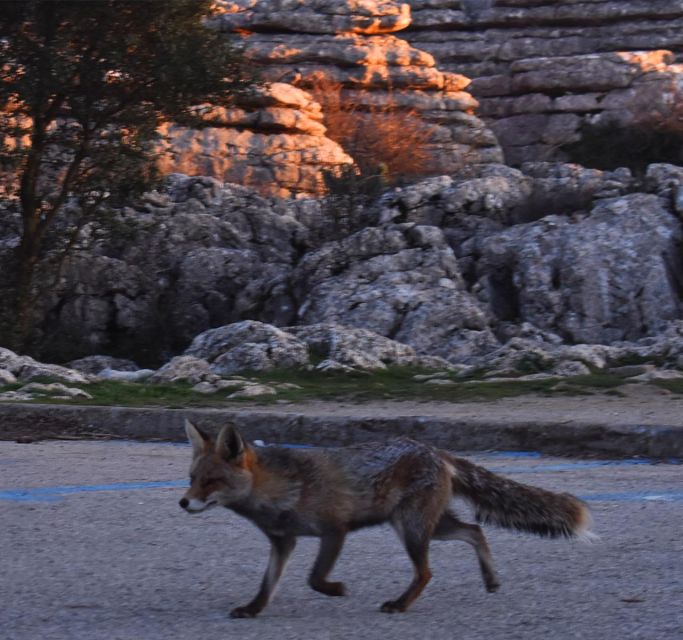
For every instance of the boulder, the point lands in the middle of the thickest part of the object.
(248, 346)
(400, 281)
(608, 276)
(353, 347)
(139, 375)
(25, 369)
(185, 368)
(6, 377)
(253, 391)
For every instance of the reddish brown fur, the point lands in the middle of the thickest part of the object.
(328, 493)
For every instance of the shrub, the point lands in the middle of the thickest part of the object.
(382, 138)
(390, 146)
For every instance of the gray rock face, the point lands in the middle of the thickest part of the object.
(401, 281)
(453, 268)
(204, 255)
(612, 275)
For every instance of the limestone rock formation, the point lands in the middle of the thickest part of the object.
(25, 369)
(256, 346)
(276, 141)
(182, 369)
(597, 262)
(541, 68)
(348, 348)
(316, 16)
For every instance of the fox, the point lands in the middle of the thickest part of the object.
(330, 492)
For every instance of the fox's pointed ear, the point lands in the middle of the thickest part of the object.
(230, 444)
(198, 439)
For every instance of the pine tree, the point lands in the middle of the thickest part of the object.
(83, 89)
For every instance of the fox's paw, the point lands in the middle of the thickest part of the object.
(492, 587)
(244, 612)
(330, 588)
(392, 606)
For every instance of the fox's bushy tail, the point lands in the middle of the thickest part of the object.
(513, 505)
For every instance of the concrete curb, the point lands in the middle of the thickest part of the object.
(34, 422)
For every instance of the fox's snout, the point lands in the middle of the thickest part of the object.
(195, 506)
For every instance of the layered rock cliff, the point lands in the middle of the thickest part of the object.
(278, 143)
(540, 69)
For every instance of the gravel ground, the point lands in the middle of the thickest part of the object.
(85, 558)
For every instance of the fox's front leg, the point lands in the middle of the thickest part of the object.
(330, 546)
(280, 550)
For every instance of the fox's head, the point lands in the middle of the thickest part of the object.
(219, 474)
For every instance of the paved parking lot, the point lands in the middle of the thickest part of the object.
(95, 546)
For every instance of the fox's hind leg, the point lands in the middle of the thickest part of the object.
(330, 546)
(280, 550)
(415, 534)
(450, 527)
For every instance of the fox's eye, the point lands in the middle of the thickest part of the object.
(207, 483)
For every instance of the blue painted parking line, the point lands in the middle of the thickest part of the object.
(513, 454)
(55, 494)
(635, 496)
(570, 466)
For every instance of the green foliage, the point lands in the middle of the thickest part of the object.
(673, 386)
(596, 381)
(394, 383)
